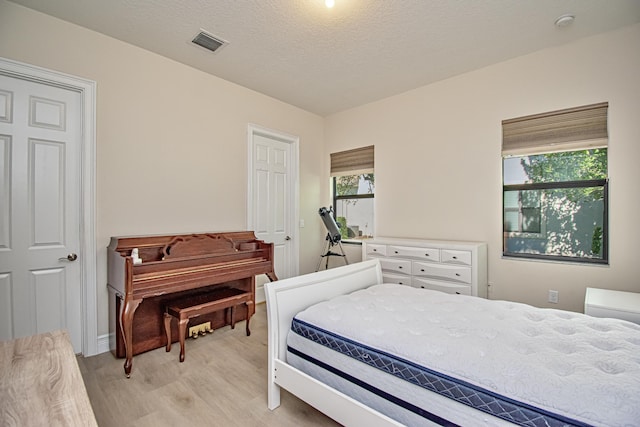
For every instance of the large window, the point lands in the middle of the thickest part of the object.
(353, 191)
(555, 186)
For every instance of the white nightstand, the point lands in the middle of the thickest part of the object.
(616, 304)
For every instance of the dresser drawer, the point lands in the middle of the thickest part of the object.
(397, 265)
(431, 254)
(373, 249)
(440, 271)
(450, 288)
(398, 279)
(455, 257)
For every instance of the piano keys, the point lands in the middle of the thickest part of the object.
(176, 266)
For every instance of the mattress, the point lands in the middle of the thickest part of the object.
(425, 357)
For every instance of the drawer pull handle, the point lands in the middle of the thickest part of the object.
(400, 267)
(457, 293)
(455, 257)
(422, 269)
(375, 250)
(426, 254)
(458, 274)
(395, 252)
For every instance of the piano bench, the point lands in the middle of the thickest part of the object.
(185, 309)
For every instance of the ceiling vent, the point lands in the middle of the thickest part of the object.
(208, 41)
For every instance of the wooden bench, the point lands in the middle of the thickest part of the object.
(187, 308)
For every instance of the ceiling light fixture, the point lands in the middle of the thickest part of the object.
(564, 20)
(329, 3)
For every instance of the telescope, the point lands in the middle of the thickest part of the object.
(330, 223)
(333, 237)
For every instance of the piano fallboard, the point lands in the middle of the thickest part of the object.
(152, 284)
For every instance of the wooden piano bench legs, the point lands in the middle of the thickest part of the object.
(231, 317)
(193, 306)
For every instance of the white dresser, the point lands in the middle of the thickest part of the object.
(448, 266)
(615, 304)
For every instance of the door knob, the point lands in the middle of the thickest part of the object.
(70, 257)
(287, 238)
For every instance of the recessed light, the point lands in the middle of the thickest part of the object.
(564, 20)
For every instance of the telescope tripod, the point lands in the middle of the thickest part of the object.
(327, 253)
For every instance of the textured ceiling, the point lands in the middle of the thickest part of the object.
(327, 60)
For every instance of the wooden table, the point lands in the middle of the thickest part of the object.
(41, 384)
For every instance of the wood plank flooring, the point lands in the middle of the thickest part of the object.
(222, 382)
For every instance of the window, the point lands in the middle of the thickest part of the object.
(522, 211)
(353, 201)
(555, 185)
(353, 190)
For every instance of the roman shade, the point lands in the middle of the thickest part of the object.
(352, 162)
(579, 128)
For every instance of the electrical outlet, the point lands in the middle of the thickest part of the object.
(553, 297)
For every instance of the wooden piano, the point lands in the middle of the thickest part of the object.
(176, 266)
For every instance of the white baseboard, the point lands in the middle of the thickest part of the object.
(260, 294)
(103, 343)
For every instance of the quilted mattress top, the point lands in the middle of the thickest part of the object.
(582, 367)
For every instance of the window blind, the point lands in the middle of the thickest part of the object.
(577, 128)
(352, 162)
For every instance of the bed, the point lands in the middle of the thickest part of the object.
(571, 369)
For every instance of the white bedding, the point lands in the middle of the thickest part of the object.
(570, 364)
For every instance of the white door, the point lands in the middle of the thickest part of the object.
(40, 277)
(273, 198)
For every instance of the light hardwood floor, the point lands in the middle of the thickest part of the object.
(222, 382)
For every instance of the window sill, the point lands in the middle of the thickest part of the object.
(352, 242)
(555, 260)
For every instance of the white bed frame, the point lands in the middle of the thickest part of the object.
(285, 298)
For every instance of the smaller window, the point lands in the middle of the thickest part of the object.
(353, 190)
(353, 201)
(522, 212)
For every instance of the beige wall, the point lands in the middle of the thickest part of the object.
(171, 140)
(438, 165)
(171, 148)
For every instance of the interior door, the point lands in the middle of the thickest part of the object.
(272, 216)
(40, 277)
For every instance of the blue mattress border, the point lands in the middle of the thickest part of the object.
(468, 394)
